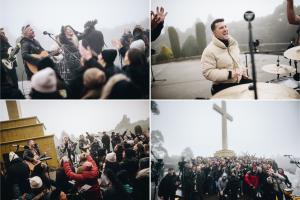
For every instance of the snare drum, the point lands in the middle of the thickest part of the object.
(286, 81)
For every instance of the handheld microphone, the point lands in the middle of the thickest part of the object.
(47, 33)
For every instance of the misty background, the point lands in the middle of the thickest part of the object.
(264, 128)
(113, 17)
(189, 128)
(76, 117)
(270, 26)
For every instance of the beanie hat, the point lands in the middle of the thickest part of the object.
(44, 81)
(109, 55)
(12, 156)
(138, 44)
(35, 182)
(111, 157)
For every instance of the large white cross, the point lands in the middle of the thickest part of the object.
(225, 116)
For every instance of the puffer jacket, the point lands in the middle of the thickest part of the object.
(217, 60)
(88, 176)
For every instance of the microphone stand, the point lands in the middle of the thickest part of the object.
(61, 47)
(251, 47)
(297, 75)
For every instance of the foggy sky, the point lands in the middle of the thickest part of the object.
(264, 128)
(183, 14)
(76, 117)
(51, 15)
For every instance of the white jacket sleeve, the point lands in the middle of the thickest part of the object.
(210, 70)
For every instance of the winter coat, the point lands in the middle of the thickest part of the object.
(252, 179)
(76, 88)
(62, 181)
(217, 60)
(141, 185)
(71, 59)
(113, 166)
(28, 47)
(222, 184)
(139, 75)
(89, 177)
(110, 70)
(131, 166)
(120, 86)
(167, 186)
(94, 38)
(18, 173)
(105, 140)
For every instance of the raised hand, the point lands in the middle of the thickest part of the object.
(158, 17)
(116, 43)
(86, 53)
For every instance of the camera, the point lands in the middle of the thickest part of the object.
(156, 169)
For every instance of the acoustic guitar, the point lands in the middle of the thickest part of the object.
(39, 159)
(33, 68)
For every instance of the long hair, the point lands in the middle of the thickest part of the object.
(63, 38)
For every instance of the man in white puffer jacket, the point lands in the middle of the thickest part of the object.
(220, 59)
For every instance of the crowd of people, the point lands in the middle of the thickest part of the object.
(234, 178)
(78, 66)
(111, 167)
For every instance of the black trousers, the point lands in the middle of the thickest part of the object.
(217, 88)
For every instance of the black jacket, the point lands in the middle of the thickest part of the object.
(105, 140)
(156, 32)
(131, 166)
(28, 155)
(94, 38)
(28, 47)
(167, 186)
(18, 173)
(141, 185)
(76, 89)
(139, 75)
(110, 70)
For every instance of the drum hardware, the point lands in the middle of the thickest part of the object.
(294, 54)
(249, 17)
(265, 90)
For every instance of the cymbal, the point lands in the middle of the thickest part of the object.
(293, 53)
(264, 91)
(281, 69)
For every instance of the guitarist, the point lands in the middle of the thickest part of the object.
(32, 153)
(29, 46)
(9, 79)
(31, 157)
(32, 51)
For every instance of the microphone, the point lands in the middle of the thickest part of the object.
(249, 16)
(287, 155)
(47, 33)
(16, 145)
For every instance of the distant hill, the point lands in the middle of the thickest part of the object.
(124, 124)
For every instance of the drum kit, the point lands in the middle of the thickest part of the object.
(288, 192)
(285, 87)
